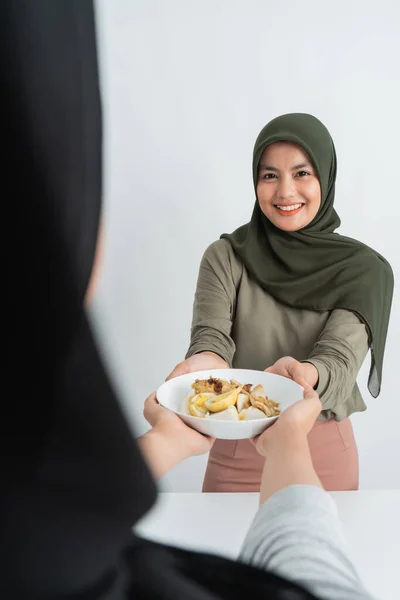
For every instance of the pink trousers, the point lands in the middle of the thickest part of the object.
(236, 466)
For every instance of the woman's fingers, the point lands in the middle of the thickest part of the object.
(181, 369)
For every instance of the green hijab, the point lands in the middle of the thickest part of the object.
(315, 268)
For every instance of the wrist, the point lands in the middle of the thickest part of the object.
(220, 362)
(169, 442)
(212, 355)
(160, 451)
(287, 436)
(288, 463)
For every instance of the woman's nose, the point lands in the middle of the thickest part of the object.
(286, 188)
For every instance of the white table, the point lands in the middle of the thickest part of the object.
(218, 522)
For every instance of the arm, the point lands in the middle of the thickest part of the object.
(211, 344)
(297, 535)
(334, 362)
(289, 463)
(338, 356)
(160, 452)
(296, 532)
(214, 304)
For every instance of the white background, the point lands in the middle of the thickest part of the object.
(187, 86)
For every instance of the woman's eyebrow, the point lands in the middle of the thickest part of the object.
(268, 168)
(295, 168)
(302, 166)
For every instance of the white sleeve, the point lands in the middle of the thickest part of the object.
(297, 535)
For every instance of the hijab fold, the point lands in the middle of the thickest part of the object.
(316, 268)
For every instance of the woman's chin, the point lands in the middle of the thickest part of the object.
(289, 224)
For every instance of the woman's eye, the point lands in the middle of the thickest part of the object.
(269, 176)
(302, 174)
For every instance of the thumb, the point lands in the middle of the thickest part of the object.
(151, 408)
(312, 399)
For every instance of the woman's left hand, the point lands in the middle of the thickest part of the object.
(168, 425)
(305, 374)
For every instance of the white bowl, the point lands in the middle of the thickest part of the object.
(285, 391)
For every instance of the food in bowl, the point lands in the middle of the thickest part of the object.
(215, 398)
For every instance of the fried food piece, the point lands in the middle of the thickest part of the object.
(258, 393)
(211, 386)
(243, 401)
(259, 399)
(272, 408)
(215, 386)
(250, 414)
(222, 401)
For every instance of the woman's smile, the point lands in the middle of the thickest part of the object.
(289, 210)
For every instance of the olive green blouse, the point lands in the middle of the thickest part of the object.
(235, 318)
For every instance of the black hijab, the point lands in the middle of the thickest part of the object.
(74, 482)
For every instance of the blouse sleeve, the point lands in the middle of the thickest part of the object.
(338, 356)
(214, 303)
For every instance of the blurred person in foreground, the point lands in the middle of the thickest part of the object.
(74, 478)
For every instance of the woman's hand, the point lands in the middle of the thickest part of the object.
(184, 441)
(295, 423)
(199, 362)
(305, 374)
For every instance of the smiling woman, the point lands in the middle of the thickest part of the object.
(286, 293)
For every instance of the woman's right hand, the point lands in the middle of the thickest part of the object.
(199, 362)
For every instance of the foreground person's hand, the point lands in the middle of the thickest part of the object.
(170, 441)
(168, 424)
(285, 445)
(296, 421)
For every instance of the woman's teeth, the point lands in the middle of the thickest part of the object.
(289, 208)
